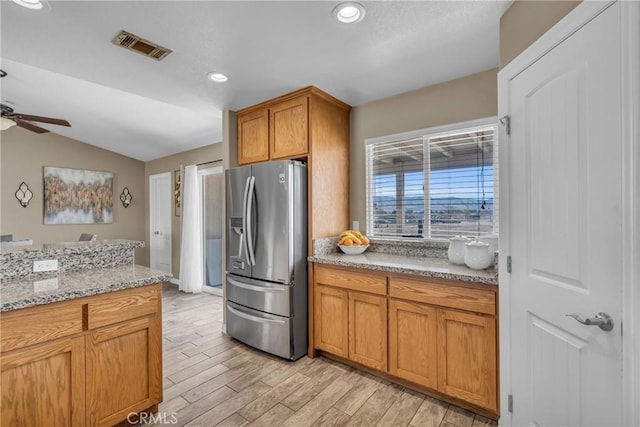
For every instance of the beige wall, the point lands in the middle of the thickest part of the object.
(466, 98)
(23, 156)
(525, 21)
(169, 164)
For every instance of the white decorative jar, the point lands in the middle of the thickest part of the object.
(477, 255)
(457, 249)
(492, 240)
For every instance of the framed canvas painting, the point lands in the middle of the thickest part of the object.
(77, 196)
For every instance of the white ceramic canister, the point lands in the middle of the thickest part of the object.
(492, 240)
(457, 249)
(477, 255)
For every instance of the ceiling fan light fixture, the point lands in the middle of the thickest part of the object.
(217, 77)
(6, 123)
(349, 12)
(29, 4)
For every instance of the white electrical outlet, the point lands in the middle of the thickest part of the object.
(45, 285)
(45, 265)
(356, 225)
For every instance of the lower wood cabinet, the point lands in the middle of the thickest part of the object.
(467, 357)
(412, 338)
(331, 320)
(66, 373)
(44, 385)
(437, 334)
(121, 377)
(367, 330)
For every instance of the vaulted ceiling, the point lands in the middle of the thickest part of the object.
(61, 61)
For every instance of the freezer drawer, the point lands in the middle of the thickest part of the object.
(260, 330)
(264, 296)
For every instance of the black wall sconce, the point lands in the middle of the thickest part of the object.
(24, 195)
(126, 197)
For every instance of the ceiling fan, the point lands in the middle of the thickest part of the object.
(23, 120)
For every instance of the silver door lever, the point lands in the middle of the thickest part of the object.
(601, 320)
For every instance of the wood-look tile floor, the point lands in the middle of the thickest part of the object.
(213, 380)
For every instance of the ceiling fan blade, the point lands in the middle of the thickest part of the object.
(41, 119)
(30, 126)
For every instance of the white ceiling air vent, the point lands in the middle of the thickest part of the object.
(140, 45)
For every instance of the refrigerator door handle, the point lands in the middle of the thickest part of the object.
(263, 289)
(248, 229)
(244, 218)
(253, 318)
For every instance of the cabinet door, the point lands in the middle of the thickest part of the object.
(368, 330)
(331, 320)
(467, 357)
(412, 342)
(253, 137)
(43, 385)
(124, 370)
(289, 130)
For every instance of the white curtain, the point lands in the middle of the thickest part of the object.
(191, 251)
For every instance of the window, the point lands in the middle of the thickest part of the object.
(433, 183)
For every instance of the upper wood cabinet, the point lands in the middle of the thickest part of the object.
(289, 128)
(308, 125)
(253, 137)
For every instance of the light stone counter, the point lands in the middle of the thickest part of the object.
(427, 259)
(23, 293)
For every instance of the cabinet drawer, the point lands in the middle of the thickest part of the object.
(440, 292)
(28, 326)
(122, 306)
(359, 280)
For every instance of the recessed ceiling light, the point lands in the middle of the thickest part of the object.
(349, 12)
(217, 77)
(30, 4)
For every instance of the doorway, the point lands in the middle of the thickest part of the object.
(212, 186)
(160, 195)
(567, 249)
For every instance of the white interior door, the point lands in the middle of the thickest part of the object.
(160, 205)
(565, 230)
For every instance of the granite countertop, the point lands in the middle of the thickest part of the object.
(68, 248)
(416, 258)
(23, 293)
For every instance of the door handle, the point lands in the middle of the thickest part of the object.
(601, 320)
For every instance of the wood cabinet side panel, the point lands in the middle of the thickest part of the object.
(44, 385)
(328, 168)
(467, 357)
(356, 280)
(412, 342)
(29, 326)
(368, 330)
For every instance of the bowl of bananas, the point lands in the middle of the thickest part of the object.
(353, 242)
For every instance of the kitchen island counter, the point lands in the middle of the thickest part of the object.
(30, 292)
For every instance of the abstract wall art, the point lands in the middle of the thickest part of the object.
(77, 196)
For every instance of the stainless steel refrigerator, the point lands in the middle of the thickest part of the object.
(266, 251)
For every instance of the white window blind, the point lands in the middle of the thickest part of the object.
(433, 184)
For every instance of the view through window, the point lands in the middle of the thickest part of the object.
(456, 169)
